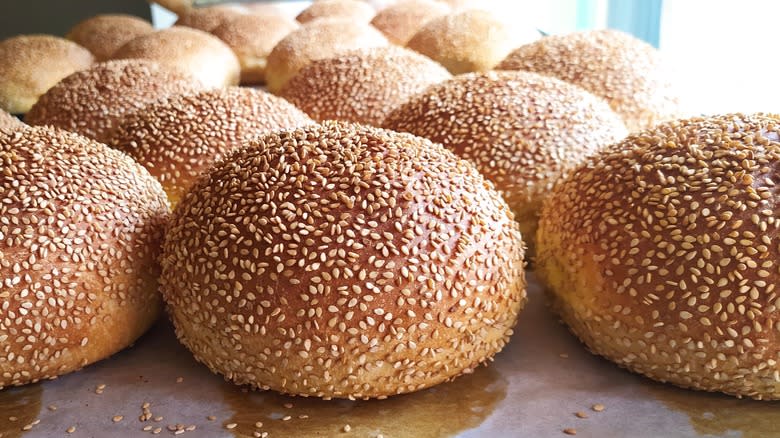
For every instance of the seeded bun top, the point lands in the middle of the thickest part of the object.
(522, 130)
(209, 18)
(362, 86)
(80, 231)
(337, 258)
(629, 73)
(105, 34)
(8, 121)
(317, 40)
(470, 41)
(663, 253)
(31, 64)
(93, 102)
(179, 138)
(191, 51)
(355, 10)
(400, 21)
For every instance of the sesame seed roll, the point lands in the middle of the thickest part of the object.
(31, 64)
(80, 233)
(193, 52)
(319, 39)
(180, 137)
(363, 85)
(629, 73)
(400, 21)
(663, 253)
(209, 18)
(93, 102)
(522, 131)
(353, 10)
(343, 261)
(105, 34)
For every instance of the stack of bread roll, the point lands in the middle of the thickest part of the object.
(365, 231)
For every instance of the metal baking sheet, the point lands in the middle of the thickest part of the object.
(533, 389)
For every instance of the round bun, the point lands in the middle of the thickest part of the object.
(209, 18)
(522, 131)
(662, 253)
(629, 73)
(81, 227)
(105, 34)
(31, 64)
(317, 40)
(193, 52)
(179, 138)
(252, 37)
(469, 41)
(93, 101)
(344, 261)
(353, 10)
(8, 121)
(362, 86)
(400, 21)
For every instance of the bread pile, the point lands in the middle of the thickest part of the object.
(365, 232)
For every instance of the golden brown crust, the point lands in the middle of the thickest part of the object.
(105, 34)
(93, 102)
(470, 41)
(80, 233)
(178, 6)
(196, 53)
(400, 21)
(179, 138)
(209, 18)
(353, 10)
(362, 86)
(252, 37)
(31, 64)
(522, 131)
(349, 262)
(317, 40)
(8, 121)
(663, 253)
(629, 73)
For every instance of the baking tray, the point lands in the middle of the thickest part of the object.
(534, 388)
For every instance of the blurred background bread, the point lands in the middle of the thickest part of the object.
(105, 34)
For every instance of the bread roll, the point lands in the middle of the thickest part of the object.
(522, 130)
(662, 253)
(193, 52)
(354, 10)
(80, 232)
(209, 18)
(317, 40)
(105, 34)
(252, 37)
(362, 86)
(630, 74)
(400, 21)
(181, 137)
(343, 261)
(93, 102)
(31, 64)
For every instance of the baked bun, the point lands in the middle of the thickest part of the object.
(8, 121)
(354, 10)
(252, 37)
(629, 73)
(400, 21)
(662, 253)
(317, 40)
(334, 260)
(93, 101)
(105, 34)
(193, 52)
(209, 18)
(469, 41)
(522, 131)
(181, 137)
(363, 85)
(80, 233)
(31, 64)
